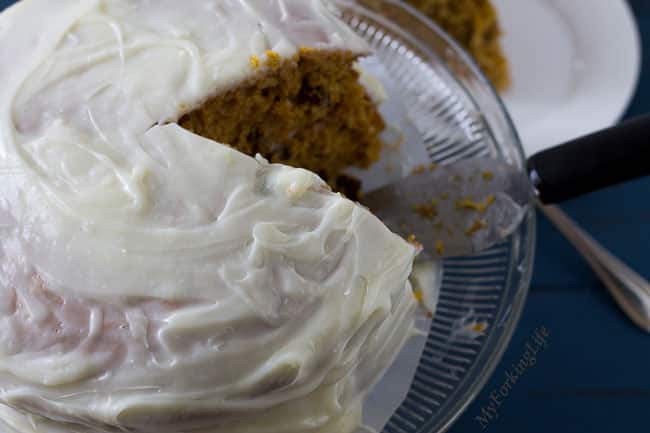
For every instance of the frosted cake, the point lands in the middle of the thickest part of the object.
(155, 280)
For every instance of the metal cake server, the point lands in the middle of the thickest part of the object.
(471, 205)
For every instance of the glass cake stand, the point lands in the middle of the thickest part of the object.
(441, 109)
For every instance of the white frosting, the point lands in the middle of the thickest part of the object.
(155, 281)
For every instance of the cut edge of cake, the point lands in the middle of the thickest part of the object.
(310, 110)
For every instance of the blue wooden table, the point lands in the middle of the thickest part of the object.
(594, 376)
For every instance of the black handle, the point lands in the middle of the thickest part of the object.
(592, 162)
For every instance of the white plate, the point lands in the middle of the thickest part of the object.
(575, 66)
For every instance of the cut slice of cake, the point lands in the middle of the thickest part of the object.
(475, 25)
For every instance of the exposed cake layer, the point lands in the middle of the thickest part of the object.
(155, 281)
(308, 111)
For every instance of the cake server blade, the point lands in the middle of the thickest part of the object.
(455, 209)
(473, 204)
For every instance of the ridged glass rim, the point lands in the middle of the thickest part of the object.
(509, 311)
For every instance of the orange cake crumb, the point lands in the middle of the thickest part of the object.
(488, 176)
(479, 327)
(476, 227)
(273, 59)
(440, 247)
(255, 62)
(469, 204)
(424, 168)
(426, 210)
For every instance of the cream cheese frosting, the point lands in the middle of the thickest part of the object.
(152, 280)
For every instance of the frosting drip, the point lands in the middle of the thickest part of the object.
(152, 280)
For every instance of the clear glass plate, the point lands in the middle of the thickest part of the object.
(445, 110)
